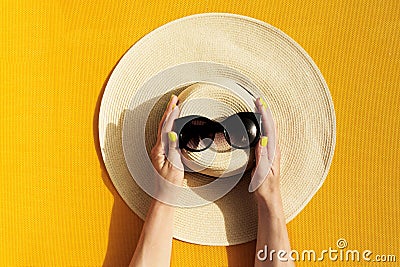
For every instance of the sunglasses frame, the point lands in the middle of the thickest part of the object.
(217, 127)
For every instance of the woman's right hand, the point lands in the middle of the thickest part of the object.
(270, 187)
(266, 174)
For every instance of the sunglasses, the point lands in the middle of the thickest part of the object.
(196, 133)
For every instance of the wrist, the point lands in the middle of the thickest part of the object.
(168, 191)
(268, 192)
(157, 204)
(178, 181)
(270, 201)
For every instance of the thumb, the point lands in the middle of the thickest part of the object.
(262, 164)
(167, 127)
(174, 156)
(261, 149)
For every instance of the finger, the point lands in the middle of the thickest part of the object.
(171, 104)
(167, 127)
(277, 159)
(263, 165)
(159, 143)
(174, 156)
(266, 116)
(169, 120)
(157, 158)
(261, 149)
(268, 125)
(277, 134)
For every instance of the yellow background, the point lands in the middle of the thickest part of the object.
(57, 205)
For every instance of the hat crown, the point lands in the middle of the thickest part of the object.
(216, 102)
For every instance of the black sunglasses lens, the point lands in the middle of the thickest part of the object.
(197, 134)
(242, 133)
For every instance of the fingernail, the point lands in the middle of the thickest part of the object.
(172, 136)
(264, 141)
(263, 103)
(173, 106)
(170, 99)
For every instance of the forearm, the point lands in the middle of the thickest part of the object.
(272, 232)
(155, 243)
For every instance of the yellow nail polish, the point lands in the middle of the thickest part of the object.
(172, 136)
(170, 99)
(263, 103)
(264, 141)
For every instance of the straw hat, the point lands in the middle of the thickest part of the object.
(217, 64)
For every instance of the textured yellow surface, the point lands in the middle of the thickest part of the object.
(57, 206)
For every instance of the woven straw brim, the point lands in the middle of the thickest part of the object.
(287, 79)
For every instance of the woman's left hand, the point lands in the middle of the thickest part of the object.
(165, 155)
